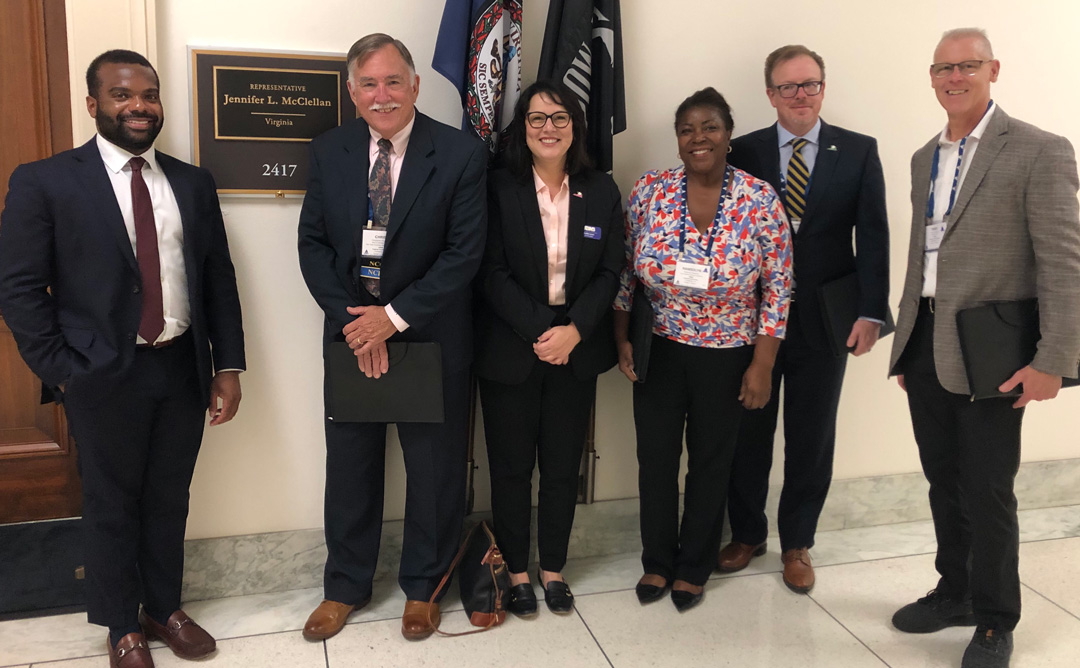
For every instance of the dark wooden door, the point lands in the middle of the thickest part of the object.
(38, 478)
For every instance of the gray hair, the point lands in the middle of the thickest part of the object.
(369, 44)
(963, 33)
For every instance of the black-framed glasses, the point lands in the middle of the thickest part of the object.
(538, 119)
(968, 68)
(791, 90)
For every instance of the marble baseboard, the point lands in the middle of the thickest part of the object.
(272, 562)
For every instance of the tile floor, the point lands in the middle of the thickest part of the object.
(747, 619)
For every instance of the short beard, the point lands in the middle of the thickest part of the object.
(114, 130)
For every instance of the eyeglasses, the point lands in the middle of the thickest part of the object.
(791, 90)
(538, 119)
(968, 68)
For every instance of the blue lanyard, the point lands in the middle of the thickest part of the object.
(955, 181)
(370, 212)
(956, 175)
(718, 220)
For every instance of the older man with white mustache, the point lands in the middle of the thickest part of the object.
(391, 234)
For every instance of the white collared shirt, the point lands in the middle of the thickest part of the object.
(943, 187)
(170, 231)
(400, 143)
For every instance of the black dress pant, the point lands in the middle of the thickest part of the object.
(695, 389)
(970, 452)
(435, 461)
(137, 451)
(544, 419)
(812, 381)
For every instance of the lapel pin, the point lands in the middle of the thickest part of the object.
(832, 147)
(578, 194)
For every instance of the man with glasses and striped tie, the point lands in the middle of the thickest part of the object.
(831, 183)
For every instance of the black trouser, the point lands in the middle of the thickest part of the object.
(696, 389)
(137, 451)
(812, 381)
(434, 498)
(544, 419)
(970, 452)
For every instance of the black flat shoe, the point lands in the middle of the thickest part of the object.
(557, 595)
(647, 593)
(685, 600)
(522, 600)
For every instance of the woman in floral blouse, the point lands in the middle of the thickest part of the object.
(711, 246)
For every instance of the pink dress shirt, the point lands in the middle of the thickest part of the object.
(555, 215)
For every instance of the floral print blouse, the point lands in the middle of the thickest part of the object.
(748, 249)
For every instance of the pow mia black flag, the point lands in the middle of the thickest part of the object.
(583, 49)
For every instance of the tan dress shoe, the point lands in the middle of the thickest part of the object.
(798, 572)
(736, 556)
(327, 620)
(184, 637)
(417, 623)
(131, 652)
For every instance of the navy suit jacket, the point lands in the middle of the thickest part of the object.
(434, 239)
(70, 288)
(513, 279)
(847, 192)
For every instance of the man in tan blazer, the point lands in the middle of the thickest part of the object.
(994, 219)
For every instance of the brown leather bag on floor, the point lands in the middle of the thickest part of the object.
(483, 580)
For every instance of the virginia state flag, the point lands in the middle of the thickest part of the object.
(479, 51)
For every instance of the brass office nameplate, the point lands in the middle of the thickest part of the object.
(255, 111)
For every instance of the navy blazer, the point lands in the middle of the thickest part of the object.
(847, 192)
(434, 239)
(513, 282)
(70, 285)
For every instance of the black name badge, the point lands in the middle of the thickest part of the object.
(275, 105)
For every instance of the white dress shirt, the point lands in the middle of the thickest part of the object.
(950, 150)
(170, 231)
(399, 142)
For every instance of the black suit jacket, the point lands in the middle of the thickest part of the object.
(847, 192)
(70, 288)
(434, 239)
(513, 282)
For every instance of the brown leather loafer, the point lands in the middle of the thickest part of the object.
(415, 624)
(184, 637)
(736, 556)
(798, 573)
(328, 619)
(131, 652)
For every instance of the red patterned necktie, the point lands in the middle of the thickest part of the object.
(379, 191)
(152, 322)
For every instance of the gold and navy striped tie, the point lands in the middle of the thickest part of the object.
(798, 178)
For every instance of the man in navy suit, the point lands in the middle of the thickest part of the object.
(391, 234)
(116, 281)
(831, 182)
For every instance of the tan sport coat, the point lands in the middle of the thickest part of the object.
(1014, 233)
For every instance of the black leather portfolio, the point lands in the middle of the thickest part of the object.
(411, 391)
(997, 340)
(641, 326)
(839, 301)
